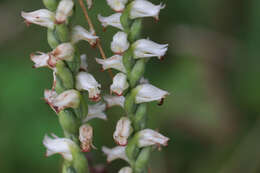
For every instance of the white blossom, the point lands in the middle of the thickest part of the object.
(112, 20)
(119, 84)
(83, 62)
(148, 137)
(40, 17)
(96, 111)
(148, 93)
(123, 131)
(114, 62)
(120, 43)
(58, 145)
(86, 137)
(85, 81)
(80, 33)
(126, 169)
(89, 3)
(40, 59)
(114, 100)
(115, 153)
(117, 5)
(144, 8)
(64, 51)
(64, 10)
(145, 48)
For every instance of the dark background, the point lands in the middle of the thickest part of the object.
(211, 70)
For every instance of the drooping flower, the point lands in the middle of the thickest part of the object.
(117, 5)
(80, 33)
(64, 51)
(40, 17)
(96, 111)
(148, 93)
(112, 20)
(119, 84)
(120, 43)
(64, 10)
(126, 169)
(83, 62)
(114, 62)
(148, 137)
(40, 59)
(115, 153)
(58, 145)
(114, 100)
(144, 8)
(145, 48)
(85, 81)
(67, 99)
(86, 137)
(123, 131)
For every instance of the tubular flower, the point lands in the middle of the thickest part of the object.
(115, 153)
(85, 137)
(119, 84)
(117, 5)
(96, 111)
(112, 20)
(40, 17)
(114, 62)
(67, 99)
(120, 43)
(126, 170)
(85, 81)
(58, 145)
(64, 10)
(144, 8)
(80, 33)
(146, 48)
(148, 137)
(83, 62)
(40, 59)
(123, 131)
(114, 101)
(148, 93)
(64, 51)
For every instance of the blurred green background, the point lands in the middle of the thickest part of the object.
(211, 70)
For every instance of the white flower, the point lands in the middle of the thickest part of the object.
(112, 20)
(123, 131)
(80, 33)
(83, 62)
(114, 101)
(144, 8)
(117, 5)
(64, 10)
(145, 48)
(64, 51)
(58, 145)
(85, 137)
(126, 169)
(40, 59)
(115, 153)
(85, 81)
(143, 81)
(67, 99)
(40, 17)
(120, 43)
(96, 111)
(148, 93)
(119, 84)
(114, 62)
(89, 3)
(148, 137)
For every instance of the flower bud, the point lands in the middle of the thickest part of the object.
(117, 5)
(83, 62)
(64, 51)
(112, 20)
(115, 153)
(114, 101)
(144, 8)
(67, 99)
(64, 10)
(114, 62)
(148, 137)
(148, 93)
(80, 33)
(126, 170)
(40, 59)
(123, 131)
(96, 111)
(119, 84)
(85, 137)
(40, 17)
(85, 81)
(146, 48)
(119, 43)
(58, 145)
